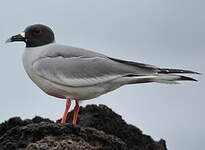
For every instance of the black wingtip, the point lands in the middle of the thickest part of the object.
(198, 73)
(193, 72)
(168, 71)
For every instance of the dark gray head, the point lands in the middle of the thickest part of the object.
(35, 35)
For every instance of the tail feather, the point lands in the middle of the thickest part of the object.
(159, 78)
(170, 78)
(161, 75)
(166, 75)
(187, 78)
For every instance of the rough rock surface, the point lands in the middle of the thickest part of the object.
(99, 128)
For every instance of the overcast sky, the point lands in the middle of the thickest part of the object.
(165, 33)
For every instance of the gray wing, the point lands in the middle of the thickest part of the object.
(76, 67)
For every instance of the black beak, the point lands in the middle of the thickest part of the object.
(18, 37)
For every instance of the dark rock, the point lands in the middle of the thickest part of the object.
(99, 128)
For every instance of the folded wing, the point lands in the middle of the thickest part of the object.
(81, 71)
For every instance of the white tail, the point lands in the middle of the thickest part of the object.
(170, 78)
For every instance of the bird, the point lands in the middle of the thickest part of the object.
(78, 74)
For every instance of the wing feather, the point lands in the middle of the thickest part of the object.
(79, 71)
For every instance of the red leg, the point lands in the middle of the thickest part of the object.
(63, 120)
(76, 110)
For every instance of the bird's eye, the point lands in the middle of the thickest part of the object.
(38, 31)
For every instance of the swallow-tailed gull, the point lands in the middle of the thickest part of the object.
(78, 74)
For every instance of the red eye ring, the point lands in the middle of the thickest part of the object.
(38, 31)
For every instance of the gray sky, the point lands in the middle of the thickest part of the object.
(165, 33)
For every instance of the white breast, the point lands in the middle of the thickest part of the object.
(30, 55)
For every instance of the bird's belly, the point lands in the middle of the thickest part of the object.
(66, 91)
